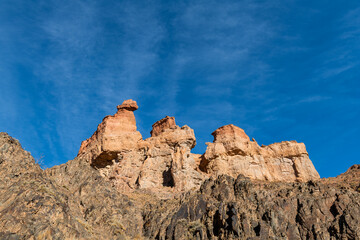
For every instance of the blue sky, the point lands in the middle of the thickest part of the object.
(281, 70)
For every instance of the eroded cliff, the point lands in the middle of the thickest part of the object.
(164, 165)
(121, 186)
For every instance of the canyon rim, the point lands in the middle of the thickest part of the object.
(121, 186)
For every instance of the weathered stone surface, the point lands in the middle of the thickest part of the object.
(73, 201)
(233, 153)
(161, 164)
(129, 105)
(165, 167)
(115, 134)
(161, 125)
(241, 208)
(70, 201)
(169, 162)
(164, 164)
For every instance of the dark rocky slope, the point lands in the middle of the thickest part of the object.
(72, 201)
(76, 203)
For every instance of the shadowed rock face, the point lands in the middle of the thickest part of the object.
(70, 201)
(164, 165)
(241, 208)
(73, 201)
(121, 186)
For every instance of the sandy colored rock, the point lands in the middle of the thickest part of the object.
(129, 105)
(170, 162)
(114, 135)
(162, 164)
(165, 167)
(232, 153)
(161, 125)
(154, 190)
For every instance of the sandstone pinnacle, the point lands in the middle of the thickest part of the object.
(164, 165)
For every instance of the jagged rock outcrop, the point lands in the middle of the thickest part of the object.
(162, 125)
(241, 208)
(74, 201)
(70, 201)
(115, 134)
(164, 164)
(169, 162)
(232, 153)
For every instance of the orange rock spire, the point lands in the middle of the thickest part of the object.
(163, 164)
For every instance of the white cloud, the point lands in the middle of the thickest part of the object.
(87, 69)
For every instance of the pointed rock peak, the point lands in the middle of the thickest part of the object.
(165, 123)
(129, 105)
(228, 133)
(114, 134)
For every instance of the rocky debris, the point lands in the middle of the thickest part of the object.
(73, 201)
(241, 208)
(232, 153)
(348, 179)
(70, 201)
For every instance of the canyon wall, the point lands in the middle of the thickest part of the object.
(163, 163)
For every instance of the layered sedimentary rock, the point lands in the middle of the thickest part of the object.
(72, 201)
(164, 163)
(121, 186)
(115, 134)
(233, 153)
(169, 162)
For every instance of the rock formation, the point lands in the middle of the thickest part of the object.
(115, 134)
(73, 201)
(232, 153)
(121, 186)
(164, 164)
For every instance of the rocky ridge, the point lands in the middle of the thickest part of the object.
(232, 153)
(163, 164)
(157, 189)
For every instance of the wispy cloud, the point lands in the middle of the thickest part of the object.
(66, 64)
(86, 68)
(312, 99)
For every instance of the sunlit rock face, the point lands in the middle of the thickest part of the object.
(114, 135)
(233, 153)
(170, 162)
(164, 165)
